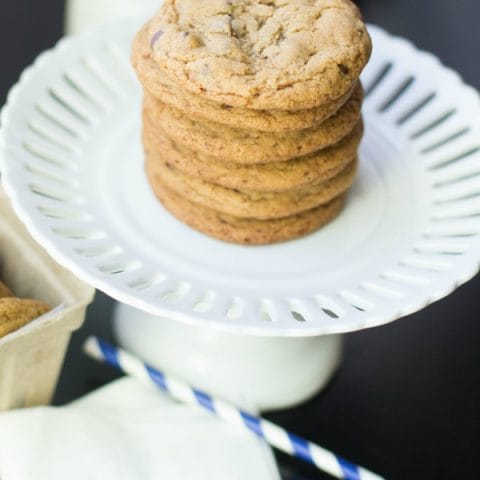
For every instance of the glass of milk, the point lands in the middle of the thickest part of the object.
(81, 14)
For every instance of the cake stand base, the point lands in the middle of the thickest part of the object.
(259, 373)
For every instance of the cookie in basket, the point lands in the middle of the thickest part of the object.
(15, 313)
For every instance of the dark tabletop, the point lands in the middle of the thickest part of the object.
(406, 401)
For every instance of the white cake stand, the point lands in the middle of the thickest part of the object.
(72, 165)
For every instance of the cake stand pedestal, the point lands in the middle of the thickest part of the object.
(263, 373)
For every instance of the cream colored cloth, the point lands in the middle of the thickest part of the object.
(128, 431)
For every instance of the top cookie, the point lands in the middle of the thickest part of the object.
(261, 54)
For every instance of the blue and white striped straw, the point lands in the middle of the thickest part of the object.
(274, 435)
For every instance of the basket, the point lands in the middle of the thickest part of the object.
(31, 358)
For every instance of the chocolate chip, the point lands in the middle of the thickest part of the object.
(343, 68)
(155, 38)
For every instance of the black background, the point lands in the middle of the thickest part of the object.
(406, 402)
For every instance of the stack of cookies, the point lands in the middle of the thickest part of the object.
(252, 113)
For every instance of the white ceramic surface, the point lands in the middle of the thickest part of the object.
(72, 164)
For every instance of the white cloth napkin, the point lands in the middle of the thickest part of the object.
(128, 431)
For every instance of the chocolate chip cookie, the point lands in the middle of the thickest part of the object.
(243, 146)
(261, 54)
(246, 231)
(250, 204)
(168, 91)
(269, 177)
